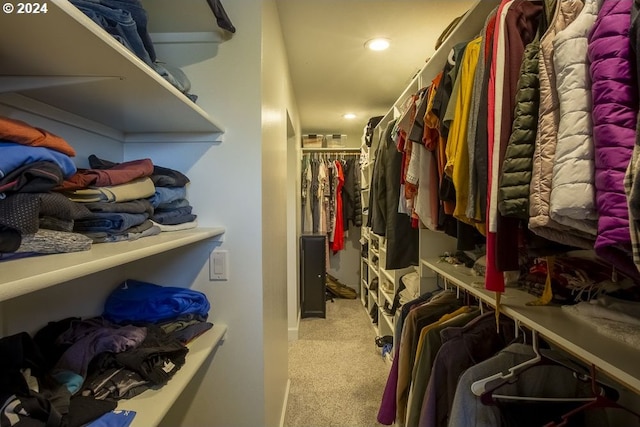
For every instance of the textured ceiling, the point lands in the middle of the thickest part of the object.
(332, 72)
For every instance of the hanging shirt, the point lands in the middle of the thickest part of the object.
(338, 238)
(457, 144)
(323, 202)
(307, 216)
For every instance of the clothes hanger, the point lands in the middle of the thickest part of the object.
(599, 401)
(450, 57)
(487, 386)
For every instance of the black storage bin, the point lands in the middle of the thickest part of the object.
(313, 276)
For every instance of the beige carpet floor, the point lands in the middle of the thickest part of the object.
(336, 370)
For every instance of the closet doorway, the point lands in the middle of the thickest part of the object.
(293, 228)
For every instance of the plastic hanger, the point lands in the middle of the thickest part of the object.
(450, 57)
(599, 401)
(485, 388)
(492, 382)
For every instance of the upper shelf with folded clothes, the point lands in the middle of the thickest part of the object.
(73, 64)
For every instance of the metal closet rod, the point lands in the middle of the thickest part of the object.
(333, 150)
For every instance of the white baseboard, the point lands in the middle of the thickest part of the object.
(294, 331)
(284, 405)
(293, 334)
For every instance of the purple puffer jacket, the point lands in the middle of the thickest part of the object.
(614, 120)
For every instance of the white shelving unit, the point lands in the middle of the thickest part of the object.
(72, 73)
(388, 282)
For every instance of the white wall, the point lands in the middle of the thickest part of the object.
(345, 265)
(278, 107)
(226, 189)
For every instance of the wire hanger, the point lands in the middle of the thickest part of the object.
(599, 401)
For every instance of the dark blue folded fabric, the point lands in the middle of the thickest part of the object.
(174, 216)
(136, 301)
(114, 222)
(175, 220)
(178, 203)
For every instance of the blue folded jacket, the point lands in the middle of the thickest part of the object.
(141, 302)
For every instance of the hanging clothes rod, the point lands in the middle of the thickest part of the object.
(331, 150)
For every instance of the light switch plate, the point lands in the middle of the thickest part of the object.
(219, 265)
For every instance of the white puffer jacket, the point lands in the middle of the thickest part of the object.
(573, 184)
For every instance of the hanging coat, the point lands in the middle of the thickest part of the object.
(546, 138)
(632, 176)
(402, 238)
(572, 200)
(614, 120)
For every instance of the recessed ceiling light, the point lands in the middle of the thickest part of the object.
(377, 44)
(349, 116)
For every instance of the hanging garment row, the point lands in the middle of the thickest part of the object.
(451, 367)
(529, 148)
(526, 142)
(331, 195)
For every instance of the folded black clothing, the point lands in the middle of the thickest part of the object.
(59, 206)
(165, 177)
(20, 211)
(191, 332)
(23, 211)
(115, 384)
(157, 358)
(10, 239)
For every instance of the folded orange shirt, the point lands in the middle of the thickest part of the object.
(22, 133)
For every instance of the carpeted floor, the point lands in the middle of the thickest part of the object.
(337, 373)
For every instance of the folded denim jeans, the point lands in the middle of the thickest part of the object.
(109, 222)
(117, 22)
(139, 15)
(165, 195)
